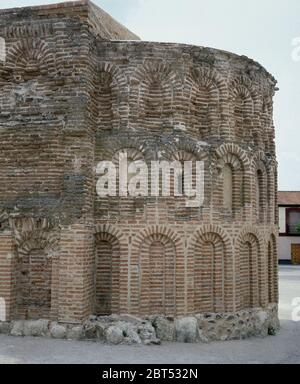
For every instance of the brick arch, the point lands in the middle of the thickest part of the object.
(207, 97)
(230, 148)
(182, 155)
(111, 97)
(29, 58)
(265, 167)
(210, 271)
(111, 231)
(245, 109)
(133, 155)
(158, 229)
(37, 269)
(178, 148)
(232, 160)
(244, 85)
(152, 95)
(28, 232)
(107, 272)
(260, 159)
(185, 150)
(137, 151)
(152, 69)
(238, 161)
(250, 269)
(261, 190)
(157, 254)
(132, 144)
(39, 240)
(272, 194)
(252, 231)
(118, 236)
(259, 156)
(118, 77)
(211, 75)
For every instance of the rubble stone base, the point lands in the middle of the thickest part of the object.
(128, 329)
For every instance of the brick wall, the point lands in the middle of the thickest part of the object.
(71, 97)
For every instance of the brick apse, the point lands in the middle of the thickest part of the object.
(78, 88)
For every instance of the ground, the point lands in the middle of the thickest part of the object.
(284, 348)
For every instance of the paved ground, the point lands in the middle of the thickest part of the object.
(284, 348)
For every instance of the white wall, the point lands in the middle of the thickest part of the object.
(284, 247)
(282, 220)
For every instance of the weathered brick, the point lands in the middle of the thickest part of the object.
(74, 91)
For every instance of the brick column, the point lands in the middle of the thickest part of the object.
(7, 279)
(76, 273)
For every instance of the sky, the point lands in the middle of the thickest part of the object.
(267, 31)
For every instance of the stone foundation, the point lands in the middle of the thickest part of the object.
(127, 329)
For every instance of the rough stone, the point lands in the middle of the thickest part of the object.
(75, 333)
(131, 337)
(152, 330)
(186, 330)
(146, 331)
(94, 330)
(17, 328)
(5, 327)
(202, 337)
(114, 335)
(58, 331)
(36, 328)
(165, 329)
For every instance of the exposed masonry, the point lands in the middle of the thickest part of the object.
(128, 329)
(77, 89)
